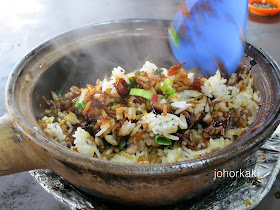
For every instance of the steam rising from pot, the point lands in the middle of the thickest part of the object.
(92, 62)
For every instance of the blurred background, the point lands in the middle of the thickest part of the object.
(26, 24)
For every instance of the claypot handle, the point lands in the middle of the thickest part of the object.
(14, 153)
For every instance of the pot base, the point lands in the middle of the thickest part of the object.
(228, 195)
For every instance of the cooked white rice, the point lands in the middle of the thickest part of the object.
(140, 127)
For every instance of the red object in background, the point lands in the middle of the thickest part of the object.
(264, 11)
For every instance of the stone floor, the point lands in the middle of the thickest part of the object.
(26, 24)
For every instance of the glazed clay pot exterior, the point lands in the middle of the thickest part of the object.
(86, 54)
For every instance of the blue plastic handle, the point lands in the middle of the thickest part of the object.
(210, 34)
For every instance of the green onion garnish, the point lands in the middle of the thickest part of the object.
(162, 140)
(138, 72)
(170, 92)
(168, 82)
(122, 143)
(60, 94)
(42, 123)
(132, 84)
(173, 35)
(158, 71)
(80, 104)
(166, 87)
(144, 93)
(114, 103)
(141, 92)
(106, 146)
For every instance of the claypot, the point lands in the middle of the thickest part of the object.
(86, 54)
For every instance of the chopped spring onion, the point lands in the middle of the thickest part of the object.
(158, 71)
(106, 146)
(132, 84)
(169, 92)
(122, 143)
(42, 123)
(173, 35)
(143, 93)
(162, 140)
(80, 104)
(168, 82)
(60, 94)
(138, 71)
(114, 103)
(229, 127)
(166, 87)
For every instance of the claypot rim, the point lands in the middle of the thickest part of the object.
(245, 143)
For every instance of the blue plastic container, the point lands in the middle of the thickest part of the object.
(210, 34)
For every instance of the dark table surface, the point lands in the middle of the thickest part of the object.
(26, 24)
